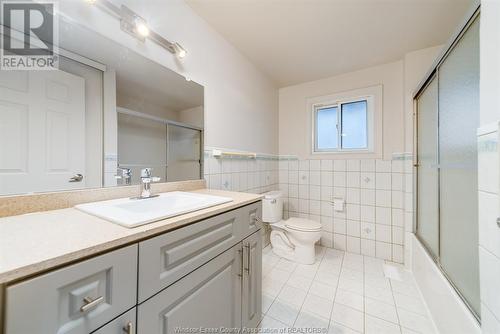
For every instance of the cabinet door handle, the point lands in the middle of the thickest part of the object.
(240, 252)
(90, 303)
(247, 247)
(129, 328)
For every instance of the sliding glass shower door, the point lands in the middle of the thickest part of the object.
(447, 120)
(428, 179)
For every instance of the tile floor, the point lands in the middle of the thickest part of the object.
(340, 293)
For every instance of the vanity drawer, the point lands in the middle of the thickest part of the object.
(124, 324)
(168, 257)
(251, 219)
(76, 299)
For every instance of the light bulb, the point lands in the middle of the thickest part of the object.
(91, 2)
(179, 51)
(142, 29)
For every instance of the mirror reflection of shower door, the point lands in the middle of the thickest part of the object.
(183, 153)
(142, 143)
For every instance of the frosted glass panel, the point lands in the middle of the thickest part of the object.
(184, 149)
(326, 128)
(427, 174)
(354, 125)
(458, 122)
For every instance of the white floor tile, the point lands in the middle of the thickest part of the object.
(346, 293)
(409, 303)
(415, 322)
(271, 286)
(378, 326)
(268, 324)
(327, 277)
(381, 310)
(280, 275)
(309, 321)
(318, 305)
(351, 285)
(336, 328)
(286, 265)
(352, 274)
(350, 299)
(323, 290)
(301, 282)
(348, 317)
(281, 311)
(267, 300)
(380, 294)
(292, 295)
(307, 270)
(404, 288)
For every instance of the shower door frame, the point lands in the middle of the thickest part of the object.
(433, 74)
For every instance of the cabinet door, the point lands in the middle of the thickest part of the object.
(124, 324)
(252, 281)
(251, 218)
(209, 297)
(76, 299)
(171, 256)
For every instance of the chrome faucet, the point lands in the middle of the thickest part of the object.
(125, 174)
(146, 180)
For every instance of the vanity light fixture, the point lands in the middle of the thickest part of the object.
(135, 25)
(179, 50)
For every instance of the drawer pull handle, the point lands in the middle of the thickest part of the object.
(129, 328)
(91, 303)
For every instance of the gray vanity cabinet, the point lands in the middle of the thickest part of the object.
(251, 219)
(76, 299)
(168, 257)
(209, 297)
(124, 324)
(225, 292)
(203, 275)
(252, 281)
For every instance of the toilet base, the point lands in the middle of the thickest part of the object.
(283, 247)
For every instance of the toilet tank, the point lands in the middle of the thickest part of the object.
(272, 207)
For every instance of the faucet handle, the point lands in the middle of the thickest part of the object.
(146, 172)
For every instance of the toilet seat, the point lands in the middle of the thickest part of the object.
(302, 225)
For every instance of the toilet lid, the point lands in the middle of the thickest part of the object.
(302, 224)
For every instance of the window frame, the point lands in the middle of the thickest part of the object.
(370, 119)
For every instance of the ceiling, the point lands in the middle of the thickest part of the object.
(295, 41)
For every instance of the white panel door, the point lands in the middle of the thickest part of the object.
(42, 131)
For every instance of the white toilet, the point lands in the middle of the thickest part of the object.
(294, 238)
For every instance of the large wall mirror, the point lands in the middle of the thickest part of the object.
(104, 115)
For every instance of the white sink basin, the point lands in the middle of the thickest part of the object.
(134, 212)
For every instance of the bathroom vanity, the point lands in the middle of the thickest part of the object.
(198, 270)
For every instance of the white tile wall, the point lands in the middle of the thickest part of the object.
(242, 174)
(374, 192)
(489, 231)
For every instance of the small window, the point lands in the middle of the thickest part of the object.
(342, 126)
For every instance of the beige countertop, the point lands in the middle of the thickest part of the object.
(37, 242)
